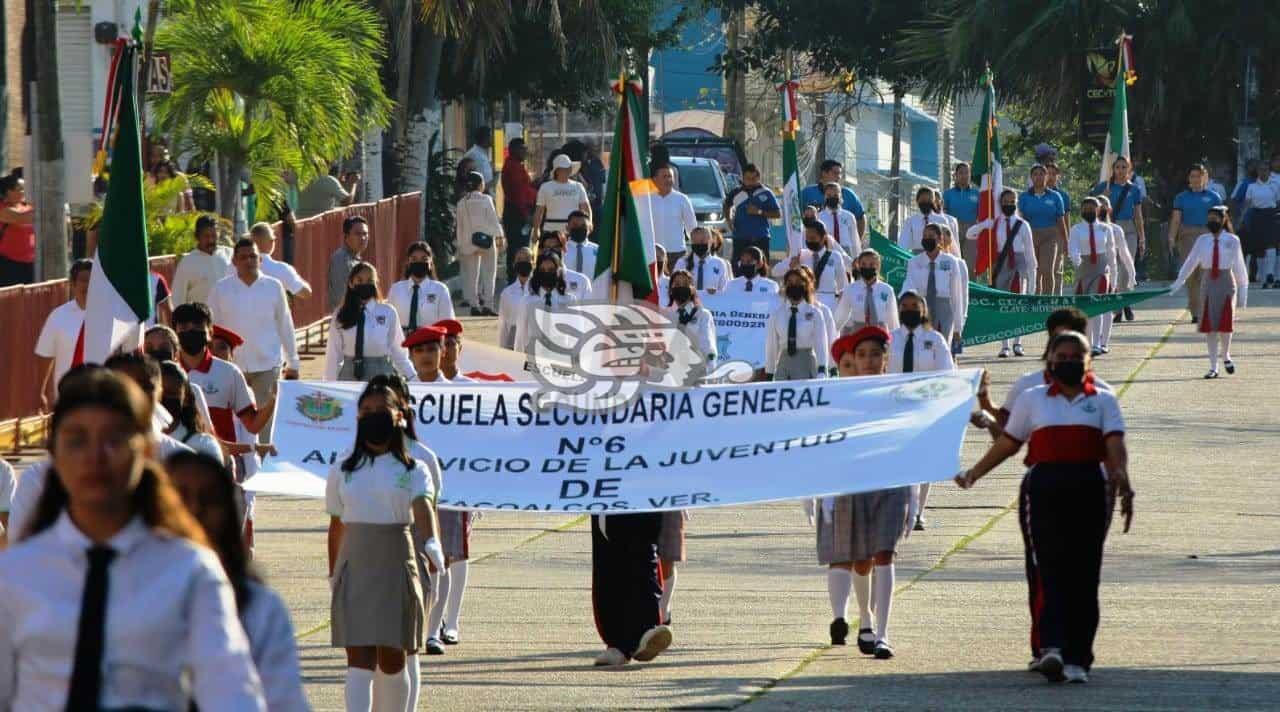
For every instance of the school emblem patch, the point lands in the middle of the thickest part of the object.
(381, 319)
(935, 388)
(318, 407)
(431, 298)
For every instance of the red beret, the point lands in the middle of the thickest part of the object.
(849, 342)
(452, 327)
(232, 338)
(425, 335)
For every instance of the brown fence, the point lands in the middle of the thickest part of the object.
(393, 224)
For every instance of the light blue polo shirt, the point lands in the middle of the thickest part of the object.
(1041, 211)
(751, 226)
(961, 204)
(1134, 198)
(1195, 205)
(1066, 200)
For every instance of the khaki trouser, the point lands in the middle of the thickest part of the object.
(1048, 260)
(263, 385)
(968, 248)
(1185, 240)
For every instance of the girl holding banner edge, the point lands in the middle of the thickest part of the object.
(1014, 268)
(1224, 285)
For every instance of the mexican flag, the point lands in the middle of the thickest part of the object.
(120, 284)
(1118, 133)
(792, 212)
(989, 175)
(627, 256)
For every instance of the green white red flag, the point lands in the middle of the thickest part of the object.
(988, 173)
(1117, 144)
(628, 256)
(792, 213)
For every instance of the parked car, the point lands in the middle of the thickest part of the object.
(704, 183)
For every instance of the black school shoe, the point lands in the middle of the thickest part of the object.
(1230, 366)
(883, 651)
(839, 630)
(867, 645)
(1128, 313)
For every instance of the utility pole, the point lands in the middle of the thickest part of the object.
(735, 83)
(1248, 136)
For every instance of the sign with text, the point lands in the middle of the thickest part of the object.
(740, 325)
(160, 74)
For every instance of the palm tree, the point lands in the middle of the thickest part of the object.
(266, 86)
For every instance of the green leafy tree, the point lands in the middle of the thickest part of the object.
(170, 231)
(271, 85)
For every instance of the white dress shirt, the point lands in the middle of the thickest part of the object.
(510, 309)
(283, 271)
(673, 218)
(835, 276)
(8, 481)
(434, 301)
(1125, 281)
(423, 454)
(701, 330)
(913, 229)
(169, 610)
(811, 333)
(259, 312)
(275, 653)
(1263, 196)
(664, 291)
(849, 240)
(853, 306)
(58, 337)
(581, 257)
(1230, 257)
(380, 491)
(1104, 241)
(382, 337)
(577, 284)
(196, 274)
(951, 278)
(931, 351)
(526, 325)
(484, 165)
(759, 285)
(716, 271)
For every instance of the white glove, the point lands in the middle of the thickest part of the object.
(811, 511)
(913, 510)
(435, 554)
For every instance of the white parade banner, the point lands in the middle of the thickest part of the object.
(699, 447)
(741, 319)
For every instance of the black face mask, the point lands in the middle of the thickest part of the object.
(544, 280)
(681, 295)
(1214, 225)
(833, 203)
(173, 405)
(524, 269)
(1009, 210)
(375, 428)
(365, 291)
(699, 249)
(867, 273)
(193, 341)
(418, 270)
(925, 208)
(551, 251)
(161, 354)
(1068, 373)
(795, 292)
(1102, 214)
(578, 234)
(929, 243)
(1089, 217)
(748, 270)
(910, 318)
(814, 246)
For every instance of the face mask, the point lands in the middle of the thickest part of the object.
(795, 292)
(193, 341)
(375, 428)
(867, 273)
(161, 354)
(551, 251)
(1214, 225)
(545, 279)
(418, 270)
(1068, 373)
(925, 208)
(1089, 217)
(814, 246)
(1009, 210)
(578, 234)
(833, 203)
(364, 291)
(524, 269)
(747, 270)
(929, 244)
(699, 249)
(910, 318)
(681, 294)
(173, 405)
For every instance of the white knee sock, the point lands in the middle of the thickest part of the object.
(668, 593)
(1226, 345)
(457, 586)
(391, 691)
(443, 579)
(359, 690)
(839, 583)
(1105, 330)
(1212, 341)
(1268, 266)
(415, 681)
(1004, 344)
(883, 584)
(862, 589)
(924, 497)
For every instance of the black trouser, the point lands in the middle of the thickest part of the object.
(513, 226)
(13, 272)
(742, 243)
(1064, 511)
(625, 585)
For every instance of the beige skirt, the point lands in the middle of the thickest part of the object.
(377, 596)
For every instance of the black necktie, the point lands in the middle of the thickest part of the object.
(701, 263)
(748, 285)
(85, 692)
(791, 332)
(909, 353)
(548, 300)
(413, 309)
(358, 370)
(579, 267)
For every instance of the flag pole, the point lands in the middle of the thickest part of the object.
(992, 198)
(616, 261)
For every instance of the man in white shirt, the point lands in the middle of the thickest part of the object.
(255, 305)
(580, 254)
(201, 268)
(913, 227)
(841, 224)
(673, 215)
(56, 346)
(558, 197)
(265, 238)
(480, 153)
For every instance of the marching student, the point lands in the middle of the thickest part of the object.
(112, 567)
(365, 333)
(917, 347)
(860, 532)
(752, 274)
(796, 343)
(424, 346)
(452, 351)
(1224, 285)
(577, 284)
(209, 494)
(1125, 197)
(1187, 222)
(711, 272)
(830, 268)
(511, 300)
(869, 301)
(56, 346)
(943, 280)
(912, 234)
(961, 200)
(1092, 249)
(841, 224)
(1126, 279)
(547, 290)
(691, 318)
(1043, 210)
(478, 235)
(828, 315)
(1072, 430)
(579, 253)
(189, 426)
(373, 496)
(1015, 265)
(418, 298)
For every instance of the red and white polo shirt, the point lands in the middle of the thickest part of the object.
(1065, 431)
(227, 393)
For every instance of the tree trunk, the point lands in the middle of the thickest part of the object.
(425, 116)
(371, 164)
(895, 162)
(50, 192)
(228, 178)
(397, 73)
(735, 84)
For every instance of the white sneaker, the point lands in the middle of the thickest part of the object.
(654, 641)
(1004, 353)
(611, 657)
(1051, 664)
(1075, 673)
(1017, 350)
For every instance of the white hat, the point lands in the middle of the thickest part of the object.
(562, 161)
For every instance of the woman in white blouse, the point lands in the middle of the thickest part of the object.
(691, 318)
(112, 600)
(868, 300)
(797, 344)
(419, 299)
(547, 292)
(210, 494)
(365, 333)
(478, 234)
(1224, 285)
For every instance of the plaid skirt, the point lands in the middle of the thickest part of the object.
(860, 525)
